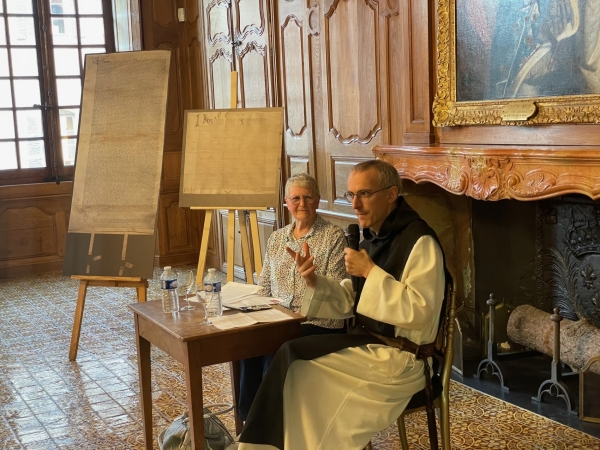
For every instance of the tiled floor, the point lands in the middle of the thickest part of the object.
(49, 402)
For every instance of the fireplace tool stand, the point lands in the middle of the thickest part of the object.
(492, 349)
(555, 386)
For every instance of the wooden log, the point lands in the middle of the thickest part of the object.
(579, 341)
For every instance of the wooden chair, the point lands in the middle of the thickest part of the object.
(440, 379)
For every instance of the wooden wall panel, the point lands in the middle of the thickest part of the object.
(253, 51)
(295, 87)
(179, 229)
(33, 226)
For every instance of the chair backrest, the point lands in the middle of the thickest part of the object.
(446, 337)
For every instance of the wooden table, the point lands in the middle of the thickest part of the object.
(195, 346)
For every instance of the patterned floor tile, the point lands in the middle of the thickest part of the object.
(48, 402)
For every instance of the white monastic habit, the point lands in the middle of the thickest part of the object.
(340, 400)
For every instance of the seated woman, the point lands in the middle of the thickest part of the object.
(280, 279)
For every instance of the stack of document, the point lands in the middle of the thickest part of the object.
(237, 295)
(245, 319)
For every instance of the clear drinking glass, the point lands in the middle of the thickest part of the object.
(187, 282)
(200, 296)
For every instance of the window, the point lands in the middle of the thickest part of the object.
(43, 44)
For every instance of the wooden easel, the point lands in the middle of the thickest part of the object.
(85, 281)
(231, 226)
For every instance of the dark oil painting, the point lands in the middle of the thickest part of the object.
(509, 49)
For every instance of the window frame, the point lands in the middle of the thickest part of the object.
(55, 170)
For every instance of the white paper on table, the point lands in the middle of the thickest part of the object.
(253, 300)
(232, 321)
(233, 291)
(268, 315)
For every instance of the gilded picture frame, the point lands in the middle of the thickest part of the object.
(547, 77)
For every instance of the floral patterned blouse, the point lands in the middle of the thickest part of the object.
(280, 279)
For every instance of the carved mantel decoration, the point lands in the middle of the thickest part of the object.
(486, 173)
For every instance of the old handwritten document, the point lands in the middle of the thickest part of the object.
(232, 157)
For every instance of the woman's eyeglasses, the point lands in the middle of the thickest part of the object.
(362, 195)
(308, 199)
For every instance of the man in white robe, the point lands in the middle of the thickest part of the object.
(349, 392)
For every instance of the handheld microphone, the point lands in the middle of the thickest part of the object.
(353, 240)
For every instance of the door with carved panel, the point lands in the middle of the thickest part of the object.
(336, 60)
(239, 37)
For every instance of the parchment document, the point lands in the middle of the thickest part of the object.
(121, 138)
(231, 158)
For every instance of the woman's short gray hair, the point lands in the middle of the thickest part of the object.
(303, 180)
(388, 175)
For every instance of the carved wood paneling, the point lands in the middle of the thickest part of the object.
(296, 26)
(293, 75)
(254, 65)
(354, 97)
(220, 66)
(33, 226)
(179, 230)
(341, 170)
(484, 173)
(174, 122)
(412, 33)
(163, 13)
(250, 19)
(218, 23)
(297, 165)
(253, 36)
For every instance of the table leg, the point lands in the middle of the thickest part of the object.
(193, 380)
(83, 284)
(145, 375)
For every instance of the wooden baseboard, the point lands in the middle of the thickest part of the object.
(29, 269)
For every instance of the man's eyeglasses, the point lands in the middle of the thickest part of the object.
(308, 199)
(362, 195)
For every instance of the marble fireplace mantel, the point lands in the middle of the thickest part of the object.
(499, 172)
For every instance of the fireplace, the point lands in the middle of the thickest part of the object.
(521, 223)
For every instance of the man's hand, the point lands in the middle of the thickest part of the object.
(358, 264)
(305, 264)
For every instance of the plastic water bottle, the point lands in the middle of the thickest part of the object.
(168, 285)
(212, 291)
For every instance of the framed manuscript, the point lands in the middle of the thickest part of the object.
(231, 158)
(112, 226)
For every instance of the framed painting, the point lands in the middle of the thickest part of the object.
(516, 62)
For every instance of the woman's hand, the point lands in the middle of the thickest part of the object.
(305, 264)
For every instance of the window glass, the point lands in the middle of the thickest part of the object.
(8, 154)
(68, 91)
(29, 123)
(90, 50)
(2, 30)
(64, 31)
(5, 97)
(19, 7)
(4, 63)
(24, 62)
(7, 127)
(32, 154)
(89, 6)
(66, 61)
(69, 147)
(92, 31)
(62, 6)
(69, 121)
(27, 93)
(21, 31)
